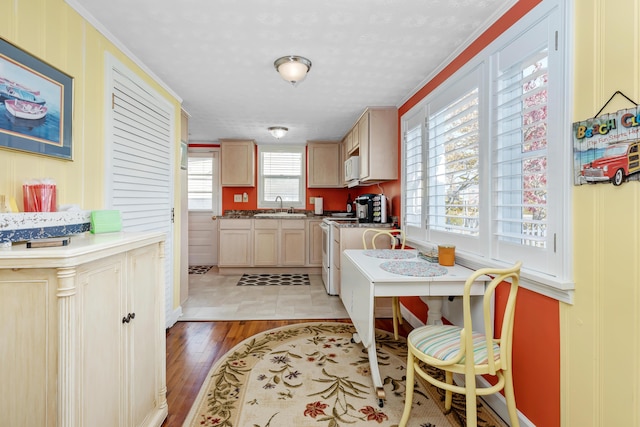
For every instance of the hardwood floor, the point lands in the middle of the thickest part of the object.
(193, 347)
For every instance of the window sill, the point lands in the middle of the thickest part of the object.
(548, 286)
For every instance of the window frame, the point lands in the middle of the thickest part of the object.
(272, 204)
(559, 283)
(214, 155)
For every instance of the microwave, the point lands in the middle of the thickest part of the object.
(352, 168)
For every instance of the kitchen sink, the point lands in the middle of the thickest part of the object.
(280, 215)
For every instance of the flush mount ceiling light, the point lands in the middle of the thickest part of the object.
(278, 131)
(292, 68)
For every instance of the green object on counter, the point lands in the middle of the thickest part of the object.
(105, 221)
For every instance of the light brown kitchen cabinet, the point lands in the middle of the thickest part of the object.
(348, 141)
(292, 242)
(237, 163)
(324, 164)
(235, 240)
(279, 243)
(266, 239)
(315, 243)
(84, 335)
(355, 139)
(348, 238)
(376, 132)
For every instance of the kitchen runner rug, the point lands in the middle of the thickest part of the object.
(199, 269)
(311, 374)
(273, 279)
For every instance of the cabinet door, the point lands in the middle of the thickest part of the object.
(315, 244)
(234, 248)
(363, 133)
(102, 356)
(265, 247)
(293, 247)
(237, 163)
(145, 336)
(324, 165)
(28, 343)
(355, 139)
(293, 242)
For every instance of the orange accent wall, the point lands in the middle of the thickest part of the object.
(334, 199)
(536, 343)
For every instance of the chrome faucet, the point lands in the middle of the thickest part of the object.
(278, 197)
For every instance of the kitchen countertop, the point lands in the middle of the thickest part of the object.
(355, 224)
(249, 214)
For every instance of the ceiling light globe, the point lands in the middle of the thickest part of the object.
(292, 68)
(278, 131)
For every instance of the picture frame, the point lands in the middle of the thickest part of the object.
(36, 105)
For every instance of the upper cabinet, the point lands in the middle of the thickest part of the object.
(237, 160)
(377, 144)
(324, 164)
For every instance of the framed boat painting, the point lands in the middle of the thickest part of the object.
(36, 105)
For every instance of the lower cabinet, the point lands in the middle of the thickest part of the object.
(235, 242)
(266, 242)
(347, 238)
(293, 240)
(279, 243)
(89, 346)
(314, 244)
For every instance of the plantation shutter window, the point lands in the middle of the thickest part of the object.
(453, 167)
(486, 160)
(414, 176)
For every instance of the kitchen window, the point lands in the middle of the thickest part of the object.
(281, 173)
(486, 164)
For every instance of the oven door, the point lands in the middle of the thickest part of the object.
(326, 255)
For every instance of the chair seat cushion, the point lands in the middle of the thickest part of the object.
(443, 342)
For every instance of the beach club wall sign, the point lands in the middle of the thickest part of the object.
(606, 148)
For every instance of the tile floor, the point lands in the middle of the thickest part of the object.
(216, 297)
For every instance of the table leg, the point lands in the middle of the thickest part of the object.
(434, 316)
(375, 372)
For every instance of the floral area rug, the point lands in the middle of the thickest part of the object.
(311, 374)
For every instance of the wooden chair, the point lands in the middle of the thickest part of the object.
(458, 350)
(391, 234)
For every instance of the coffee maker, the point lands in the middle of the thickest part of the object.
(371, 208)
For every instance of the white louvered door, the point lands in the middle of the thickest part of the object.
(139, 161)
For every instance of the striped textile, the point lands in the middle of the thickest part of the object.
(443, 342)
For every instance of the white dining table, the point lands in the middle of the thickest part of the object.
(366, 274)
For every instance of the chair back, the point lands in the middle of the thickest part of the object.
(505, 333)
(370, 235)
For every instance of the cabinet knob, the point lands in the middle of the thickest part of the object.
(125, 319)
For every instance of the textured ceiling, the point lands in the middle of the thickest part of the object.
(217, 55)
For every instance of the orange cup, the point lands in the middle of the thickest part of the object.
(446, 255)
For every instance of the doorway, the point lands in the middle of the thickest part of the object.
(204, 201)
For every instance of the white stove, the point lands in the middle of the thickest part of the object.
(327, 249)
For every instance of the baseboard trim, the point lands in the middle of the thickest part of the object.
(173, 317)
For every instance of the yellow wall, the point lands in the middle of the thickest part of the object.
(56, 34)
(600, 384)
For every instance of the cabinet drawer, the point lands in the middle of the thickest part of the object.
(293, 224)
(235, 224)
(266, 224)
